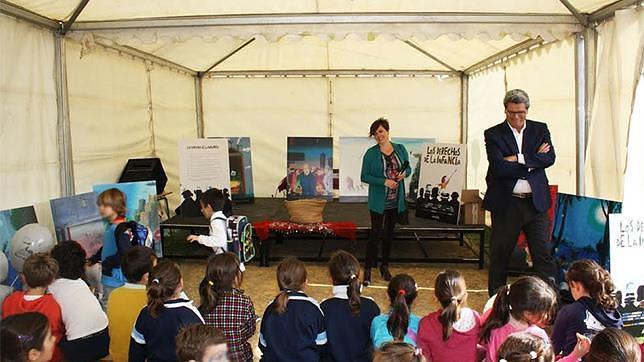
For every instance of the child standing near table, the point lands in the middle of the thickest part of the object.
(212, 206)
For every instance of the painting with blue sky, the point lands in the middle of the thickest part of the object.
(310, 167)
(77, 218)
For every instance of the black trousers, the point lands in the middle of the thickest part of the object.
(381, 225)
(87, 349)
(520, 214)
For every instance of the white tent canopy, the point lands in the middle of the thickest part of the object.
(130, 79)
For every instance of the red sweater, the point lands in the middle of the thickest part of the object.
(461, 345)
(16, 304)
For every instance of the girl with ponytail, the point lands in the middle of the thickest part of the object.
(224, 305)
(167, 311)
(293, 324)
(594, 309)
(400, 324)
(527, 305)
(347, 314)
(451, 333)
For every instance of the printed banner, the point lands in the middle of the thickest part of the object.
(309, 167)
(77, 218)
(626, 250)
(442, 177)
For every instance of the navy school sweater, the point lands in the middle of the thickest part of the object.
(296, 335)
(152, 339)
(585, 317)
(347, 333)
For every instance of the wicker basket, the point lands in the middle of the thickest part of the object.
(306, 211)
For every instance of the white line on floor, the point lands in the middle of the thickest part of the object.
(385, 287)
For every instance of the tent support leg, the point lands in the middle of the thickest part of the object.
(199, 105)
(65, 159)
(581, 108)
(463, 113)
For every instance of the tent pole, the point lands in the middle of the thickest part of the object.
(68, 24)
(65, 156)
(429, 55)
(504, 54)
(608, 11)
(583, 19)
(581, 98)
(330, 73)
(28, 15)
(464, 120)
(223, 59)
(199, 105)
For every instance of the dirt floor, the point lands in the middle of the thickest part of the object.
(260, 285)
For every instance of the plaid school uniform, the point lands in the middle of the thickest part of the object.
(235, 316)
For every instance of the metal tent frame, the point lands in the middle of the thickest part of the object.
(585, 57)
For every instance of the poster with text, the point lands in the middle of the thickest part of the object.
(203, 165)
(77, 218)
(142, 206)
(309, 167)
(415, 148)
(442, 176)
(626, 251)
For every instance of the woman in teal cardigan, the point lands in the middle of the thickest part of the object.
(382, 171)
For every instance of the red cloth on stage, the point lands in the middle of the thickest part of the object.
(341, 229)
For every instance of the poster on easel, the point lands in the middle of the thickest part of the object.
(415, 148)
(203, 165)
(309, 167)
(626, 250)
(442, 177)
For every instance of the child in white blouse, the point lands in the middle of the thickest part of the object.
(212, 205)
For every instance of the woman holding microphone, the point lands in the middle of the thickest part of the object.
(384, 167)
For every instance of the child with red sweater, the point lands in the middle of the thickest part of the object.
(39, 271)
(452, 332)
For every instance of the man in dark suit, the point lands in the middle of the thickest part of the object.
(518, 196)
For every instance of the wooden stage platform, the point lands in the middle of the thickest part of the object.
(454, 240)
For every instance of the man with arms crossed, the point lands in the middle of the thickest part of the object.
(518, 195)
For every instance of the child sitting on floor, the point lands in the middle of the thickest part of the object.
(38, 272)
(400, 324)
(398, 351)
(224, 305)
(525, 347)
(526, 305)
(126, 302)
(201, 343)
(452, 332)
(26, 337)
(594, 309)
(293, 324)
(347, 314)
(212, 204)
(614, 345)
(153, 335)
(86, 334)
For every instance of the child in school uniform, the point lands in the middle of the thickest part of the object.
(126, 302)
(594, 309)
(212, 205)
(451, 333)
(347, 314)
(224, 305)
(158, 323)
(399, 324)
(38, 272)
(86, 333)
(525, 305)
(293, 324)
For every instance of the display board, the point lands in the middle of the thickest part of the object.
(77, 218)
(626, 250)
(142, 206)
(203, 164)
(309, 167)
(241, 169)
(442, 177)
(352, 150)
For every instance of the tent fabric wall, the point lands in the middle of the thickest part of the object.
(28, 118)
(109, 114)
(547, 74)
(174, 118)
(267, 110)
(619, 64)
(633, 191)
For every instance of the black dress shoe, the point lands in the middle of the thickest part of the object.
(366, 281)
(384, 272)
